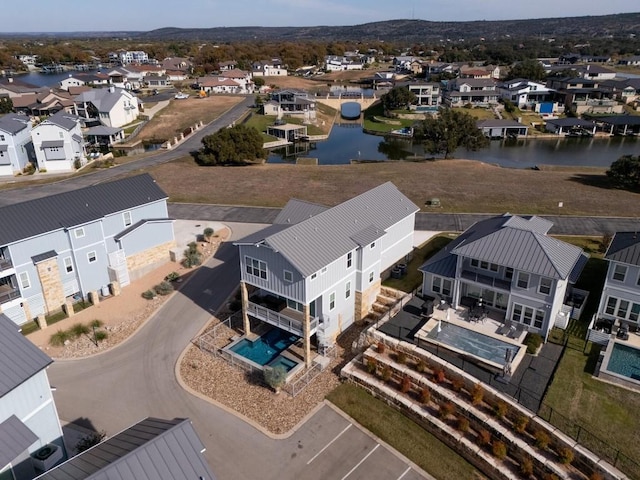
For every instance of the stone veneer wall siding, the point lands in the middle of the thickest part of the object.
(141, 263)
(362, 304)
(52, 289)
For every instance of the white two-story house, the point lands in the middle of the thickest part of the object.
(319, 269)
(620, 299)
(28, 416)
(15, 143)
(480, 92)
(57, 250)
(269, 68)
(114, 107)
(527, 94)
(513, 266)
(58, 143)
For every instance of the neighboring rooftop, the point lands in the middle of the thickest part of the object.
(152, 449)
(19, 358)
(624, 248)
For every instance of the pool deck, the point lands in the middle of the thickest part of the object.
(613, 377)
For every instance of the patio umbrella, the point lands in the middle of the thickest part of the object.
(439, 325)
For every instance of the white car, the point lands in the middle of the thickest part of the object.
(181, 96)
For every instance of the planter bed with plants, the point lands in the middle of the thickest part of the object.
(481, 423)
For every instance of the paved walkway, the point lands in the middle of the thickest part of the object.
(441, 222)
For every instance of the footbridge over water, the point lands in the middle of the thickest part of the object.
(336, 100)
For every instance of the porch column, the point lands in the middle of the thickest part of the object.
(307, 337)
(245, 306)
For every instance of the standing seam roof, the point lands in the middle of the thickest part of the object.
(625, 248)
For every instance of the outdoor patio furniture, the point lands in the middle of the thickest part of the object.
(505, 328)
(623, 333)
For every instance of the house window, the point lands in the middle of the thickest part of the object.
(347, 290)
(255, 267)
(373, 245)
(442, 286)
(313, 276)
(475, 263)
(371, 277)
(538, 319)
(2, 138)
(126, 216)
(332, 301)
(68, 265)
(79, 232)
(619, 272)
(508, 273)
(523, 280)
(545, 286)
(24, 280)
(622, 309)
(288, 276)
(61, 134)
(527, 315)
(91, 256)
(349, 259)
(493, 267)
(324, 270)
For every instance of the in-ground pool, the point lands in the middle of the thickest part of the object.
(266, 349)
(474, 343)
(625, 361)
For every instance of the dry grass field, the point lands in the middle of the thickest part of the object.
(461, 186)
(181, 114)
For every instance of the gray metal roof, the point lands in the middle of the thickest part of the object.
(102, 130)
(52, 143)
(500, 123)
(624, 248)
(13, 123)
(571, 122)
(325, 237)
(44, 256)
(19, 358)
(76, 207)
(63, 120)
(15, 438)
(137, 225)
(295, 211)
(620, 120)
(367, 235)
(152, 449)
(505, 241)
(102, 98)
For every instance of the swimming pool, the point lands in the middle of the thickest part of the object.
(625, 360)
(266, 349)
(472, 342)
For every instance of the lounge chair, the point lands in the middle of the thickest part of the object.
(505, 328)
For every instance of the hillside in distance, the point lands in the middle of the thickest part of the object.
(414, 30)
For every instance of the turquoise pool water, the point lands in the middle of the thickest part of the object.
(473, 343)
(625, 360)
(267, 348)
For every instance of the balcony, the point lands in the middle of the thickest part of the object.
(5, 264)
(285, 321)
(8, 293)
(486, 280)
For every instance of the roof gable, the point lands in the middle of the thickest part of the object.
(296, 211)
(624, 248)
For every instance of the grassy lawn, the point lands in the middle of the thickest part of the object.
(374, 125)
(479, 113)
(413, 278)
(260, 122)
(403, 434)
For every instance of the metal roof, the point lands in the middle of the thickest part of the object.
(52, 143)
(137, 225)
(367, 235)
(13, 123)
(44, 256)
(15, 438)
(149, 450)
(571, 122)
(19, 358)
(624, 248)
(76, 207)
(63, 120)
(295, 211)
(325, 237)
(500, 123)
(507, 241)
(619, 120)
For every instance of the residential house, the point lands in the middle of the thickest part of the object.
(16, 149)
(12, 87)
(138, 75)
(402, 63)
(82, 79)
(101, 135)
(511, 264)
(269, 68)
(324, 266)
(570, 126)
(502, 128)
(217, 84)
(127, 57)
(228, 65)
(596, 72)
(479, 92)
(178, 64)
(427, 93)
(58, 143)
(28, 416)
(157, 81)
(80, 243)
(626, 90)
(45, 102)
(472, 71)
(584, 95)
(439, 68)
(383, 80)
(291, 102)
(242, 78)
(620, 300)
(633, 60)
(529, 95)
(28, 60)
(337, 63)
(113, 107)
(151, 449)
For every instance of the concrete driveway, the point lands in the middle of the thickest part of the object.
(113, 390)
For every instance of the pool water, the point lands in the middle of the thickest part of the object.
(625, 360)
(283, 362)
(266, 348)
(473, 343)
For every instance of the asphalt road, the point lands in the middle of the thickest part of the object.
(115, 389)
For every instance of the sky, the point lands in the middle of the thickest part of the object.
(144, 15)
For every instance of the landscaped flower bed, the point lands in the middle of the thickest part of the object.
(493, 432)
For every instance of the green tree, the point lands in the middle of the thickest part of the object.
(259, 81)
(529, 69)
(625, 172)
(236, 145)
(451, 129)
(398, 97)
(6, 105)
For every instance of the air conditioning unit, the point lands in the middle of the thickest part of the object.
(46, 457)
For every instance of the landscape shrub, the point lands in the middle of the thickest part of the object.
(500, 409)
(457, 383)
(208, 233)
(58, 338)
(477, 394)
(386, 373)
(380, 347)
(172, 277)
(484, 437)
(405, 384)
(100, 335)
(542, 439)
(520, 423)
(149, 294)
(463, 424)
(565, 454)
(421, 366)
(192, 257)
(401, 357)
(163, 288)
(526, 466)
(90, 440)
(275, 377)
(445, 410)
(78, 330)
(439, 376)
(372, 365)
(596, 476)
(425, 395)
(533, 342)
(499, 450)
(96, 323)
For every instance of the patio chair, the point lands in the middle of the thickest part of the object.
(505, 328)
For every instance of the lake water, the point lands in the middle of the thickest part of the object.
(47, 79)
(347, 143)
